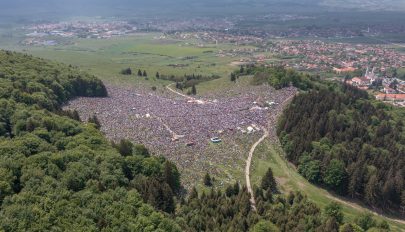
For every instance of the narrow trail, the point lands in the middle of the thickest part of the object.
(173, 134)
(252, 150)
(190, 98)
(180, 94)
(248, 164)
(361, 208)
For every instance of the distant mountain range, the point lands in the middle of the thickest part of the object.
(139, 4)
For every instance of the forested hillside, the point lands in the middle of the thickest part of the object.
(57, 174)
(230, 210)
(341, 139)
(278, 77)
(29, 80)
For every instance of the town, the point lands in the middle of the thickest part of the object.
(369, 66)
(390, 90)
(45, 34)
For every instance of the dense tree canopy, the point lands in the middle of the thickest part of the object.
(231, 211)
(30, 80)
(57, 174)
(353, 145)
(278, 77)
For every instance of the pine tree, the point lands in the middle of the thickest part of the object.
(330, 225)
(139, 73)
(403, 202)
(76, 116)
(193, 90)
(171, 176)
(236, 188)
(144, 73)
(141, 150)
(242, 69)
(126, 71)
(268, 181)
(334, 210)
(125, 147)
(372, 190)
(229, 191)
(93, 119)
(207, 180)
(157, 75)
(193, 194)
(233, 77)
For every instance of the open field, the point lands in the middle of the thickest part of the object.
(106, 58)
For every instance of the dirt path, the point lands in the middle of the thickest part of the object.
(190, 98)
(360, 208)
(180, 94)
(271, 120)
(174, 135)
(248, 164)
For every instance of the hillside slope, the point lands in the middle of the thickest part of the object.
(348, 143)
(58, 174)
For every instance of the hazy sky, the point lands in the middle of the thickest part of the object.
(45, 9)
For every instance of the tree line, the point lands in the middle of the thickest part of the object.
(128, 71)
(230, 210)
(276, 76)
(342, 139)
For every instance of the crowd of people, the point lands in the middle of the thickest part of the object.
(180, 129)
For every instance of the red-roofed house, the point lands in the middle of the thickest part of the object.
(390, 97)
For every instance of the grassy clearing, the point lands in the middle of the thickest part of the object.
(222, 86)
(106, 58)
(269, 155)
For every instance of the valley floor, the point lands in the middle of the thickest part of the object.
(181, 127)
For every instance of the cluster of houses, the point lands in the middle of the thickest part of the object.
(365, 81)
(390, 89)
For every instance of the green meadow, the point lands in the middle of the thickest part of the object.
(107, 57)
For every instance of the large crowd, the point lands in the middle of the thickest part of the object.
(181, 129)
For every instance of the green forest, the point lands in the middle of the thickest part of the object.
(278, 77)
(343, 140)
(59, 173)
